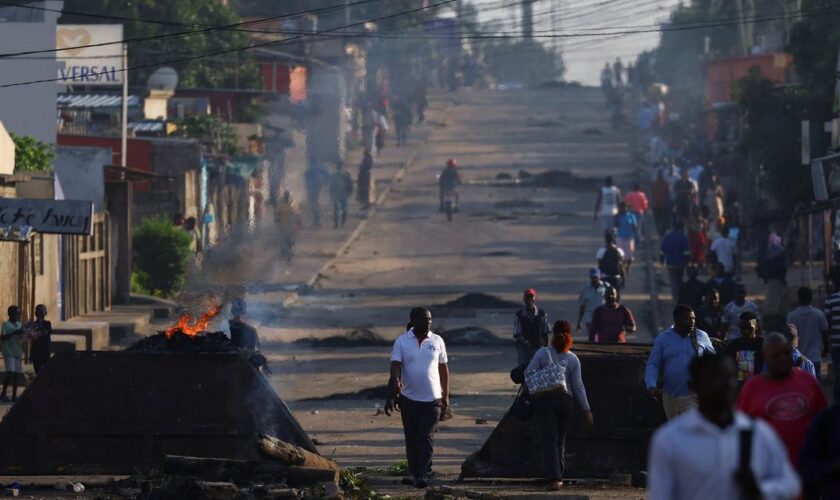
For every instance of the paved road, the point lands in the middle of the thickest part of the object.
(505, 239)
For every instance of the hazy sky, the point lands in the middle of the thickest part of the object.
(585, 55)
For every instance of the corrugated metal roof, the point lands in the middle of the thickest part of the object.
(95, 101)
(147, 126)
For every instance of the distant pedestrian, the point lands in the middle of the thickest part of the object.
(41, 334)
(672, 353)
(341, 188)
(606, 205)
(402, 120)
(626, 231)
(723, 283)
(11, 337)
(366, 192)
(733, 310)
(785, 397)
(314, 179)
(660, 192)
(812, 327)
(693, 291)
(553, 410)
(591, 297)
(698, 240)
(612, 321)
(674, 253)
(747, 350)
(716, 452)
(606, 82)
(421, 100)
(819, 456)
(611, 260)
(800, 361)
(288, 222)
(726, 251)
(530, 328)
(710, 316)
(685, 191)
(242, 335)
(638, 205)
(419, 389)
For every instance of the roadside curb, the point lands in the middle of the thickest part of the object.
(412, 157)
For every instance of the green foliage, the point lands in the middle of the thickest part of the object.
(161, 255)
(210, 130)
(771, 137)
(232, 70)
(32, 155)
(522, 61)
(813, 43)
(355, 486)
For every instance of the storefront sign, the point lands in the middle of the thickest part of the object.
(48, 216)
(85, 65)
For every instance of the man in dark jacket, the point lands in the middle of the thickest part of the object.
(530, 328)
(693, 291)
(243, 335)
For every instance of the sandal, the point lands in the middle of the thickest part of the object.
(556, 486)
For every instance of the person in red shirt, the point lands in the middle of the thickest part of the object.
(785, 397)
(637, 203)
(611, 321)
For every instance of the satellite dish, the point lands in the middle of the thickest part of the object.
(164, 78)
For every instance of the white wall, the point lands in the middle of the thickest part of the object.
(29, 109)
(80, 173)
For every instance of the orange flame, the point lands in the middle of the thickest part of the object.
(187, 327)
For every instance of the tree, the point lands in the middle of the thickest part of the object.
(770, 137)
(32, 155)
(232, 70)
(814, 42)
(161, 255)
(210, 130)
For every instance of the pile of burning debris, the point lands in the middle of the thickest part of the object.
(185, 401)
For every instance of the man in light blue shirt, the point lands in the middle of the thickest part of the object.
(672, 352)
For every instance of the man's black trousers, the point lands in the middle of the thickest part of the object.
(419, 421)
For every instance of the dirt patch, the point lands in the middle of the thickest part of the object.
(557, 179)
(471, 336)
(498, 253)
(360, 337)
(480, 301)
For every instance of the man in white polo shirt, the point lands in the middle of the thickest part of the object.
(419, 389)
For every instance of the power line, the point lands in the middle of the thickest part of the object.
(249, 47)
(207, 30)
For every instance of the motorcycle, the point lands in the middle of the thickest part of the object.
(450, 203)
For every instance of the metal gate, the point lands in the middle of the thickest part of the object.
(87, 271)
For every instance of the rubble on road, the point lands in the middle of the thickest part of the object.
(360, 337)
(208, 342)
(470, 336)
(479, 301)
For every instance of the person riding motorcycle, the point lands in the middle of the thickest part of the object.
(449, 180)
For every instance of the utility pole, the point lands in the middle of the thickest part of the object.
(527, 19)
(124, 118)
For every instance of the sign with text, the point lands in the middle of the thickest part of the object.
(48, 216)
(86, 65)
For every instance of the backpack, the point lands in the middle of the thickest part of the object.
(611, 261)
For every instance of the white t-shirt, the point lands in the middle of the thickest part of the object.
(725, 249)
(609, 200)
(420, 376)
